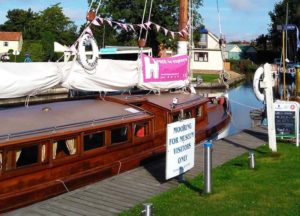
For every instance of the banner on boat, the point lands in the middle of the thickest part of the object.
(164, 69)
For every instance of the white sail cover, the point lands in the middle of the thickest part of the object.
(27, 79)
(23, 79)
(109, 75)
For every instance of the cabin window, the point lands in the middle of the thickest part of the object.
(201, 56)
(25, 156)
(188, 114)
(93, 140)
(141, 129)
(176, 117)
(199, 111)
(64, 148)
(119, 135)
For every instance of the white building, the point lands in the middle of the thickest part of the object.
(207, 56)
(11, 41)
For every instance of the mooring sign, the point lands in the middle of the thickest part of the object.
(180, 147)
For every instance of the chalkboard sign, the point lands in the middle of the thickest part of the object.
(285, 124)
(287, 120)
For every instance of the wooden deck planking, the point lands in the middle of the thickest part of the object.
(118, 193)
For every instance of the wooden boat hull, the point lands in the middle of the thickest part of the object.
(20, 186)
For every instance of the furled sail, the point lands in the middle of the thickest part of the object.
(27, 79)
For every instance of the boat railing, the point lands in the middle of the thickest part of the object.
(66, 126)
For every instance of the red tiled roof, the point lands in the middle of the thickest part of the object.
(10, 36)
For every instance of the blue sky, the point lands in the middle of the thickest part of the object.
(240, 19)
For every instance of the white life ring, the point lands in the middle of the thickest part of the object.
(88, 63)
(257, 77)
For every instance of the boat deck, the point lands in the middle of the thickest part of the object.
(118, 193)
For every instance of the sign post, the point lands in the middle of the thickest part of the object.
(180, 147)
(287, 120)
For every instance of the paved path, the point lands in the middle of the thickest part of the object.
(118, 193)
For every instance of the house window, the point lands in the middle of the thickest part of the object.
(201, 56)
(203, 41)
(5, 43)
(119, 135)
(93, 140)
(64, 148)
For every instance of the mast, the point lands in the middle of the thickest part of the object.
(183, 19)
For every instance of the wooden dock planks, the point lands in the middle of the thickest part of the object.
(118, 193)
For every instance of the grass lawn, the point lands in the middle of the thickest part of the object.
(208, 77)
(273, 188)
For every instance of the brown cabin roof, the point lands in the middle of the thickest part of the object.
(10, 36)
(68, 115)
(163, 100)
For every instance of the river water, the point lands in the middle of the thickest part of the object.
(242, 100)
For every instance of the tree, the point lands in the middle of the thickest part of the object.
(165, 13)
(278, 18)
(52, 20)
(21, 21)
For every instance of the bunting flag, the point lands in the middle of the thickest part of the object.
(148, 24)
(142, 26)
(132, 27)
(157, 27)
(73, 50)
(88, 30)
(101, 20)
(166, 31)
(96, 23)
(172, 34)
(109, 22)
(125, 27)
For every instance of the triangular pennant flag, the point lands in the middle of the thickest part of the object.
(88, 30)
(131, 26)
(125, 27)
(73, 50)
(166, 31)
(181, 34)
(172, 34)
(148, 24)
(96, 23)
(118, 24)
(184, 32)
(157, 27)
(101, 20)
(109, 22)
(142, 26)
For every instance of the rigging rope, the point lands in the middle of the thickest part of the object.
(149, 16)
(145, 6)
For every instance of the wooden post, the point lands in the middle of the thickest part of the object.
(183, 19)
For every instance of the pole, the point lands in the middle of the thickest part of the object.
(183, 18)
(268, 86)
(207, 167)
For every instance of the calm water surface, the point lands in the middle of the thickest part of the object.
(242, 100)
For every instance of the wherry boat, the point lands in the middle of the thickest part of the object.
(52, 148)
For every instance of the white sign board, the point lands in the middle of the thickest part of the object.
(180, 147)
(287, 119)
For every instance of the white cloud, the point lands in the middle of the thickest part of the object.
(241, 5)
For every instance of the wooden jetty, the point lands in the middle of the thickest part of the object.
(118, 193)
